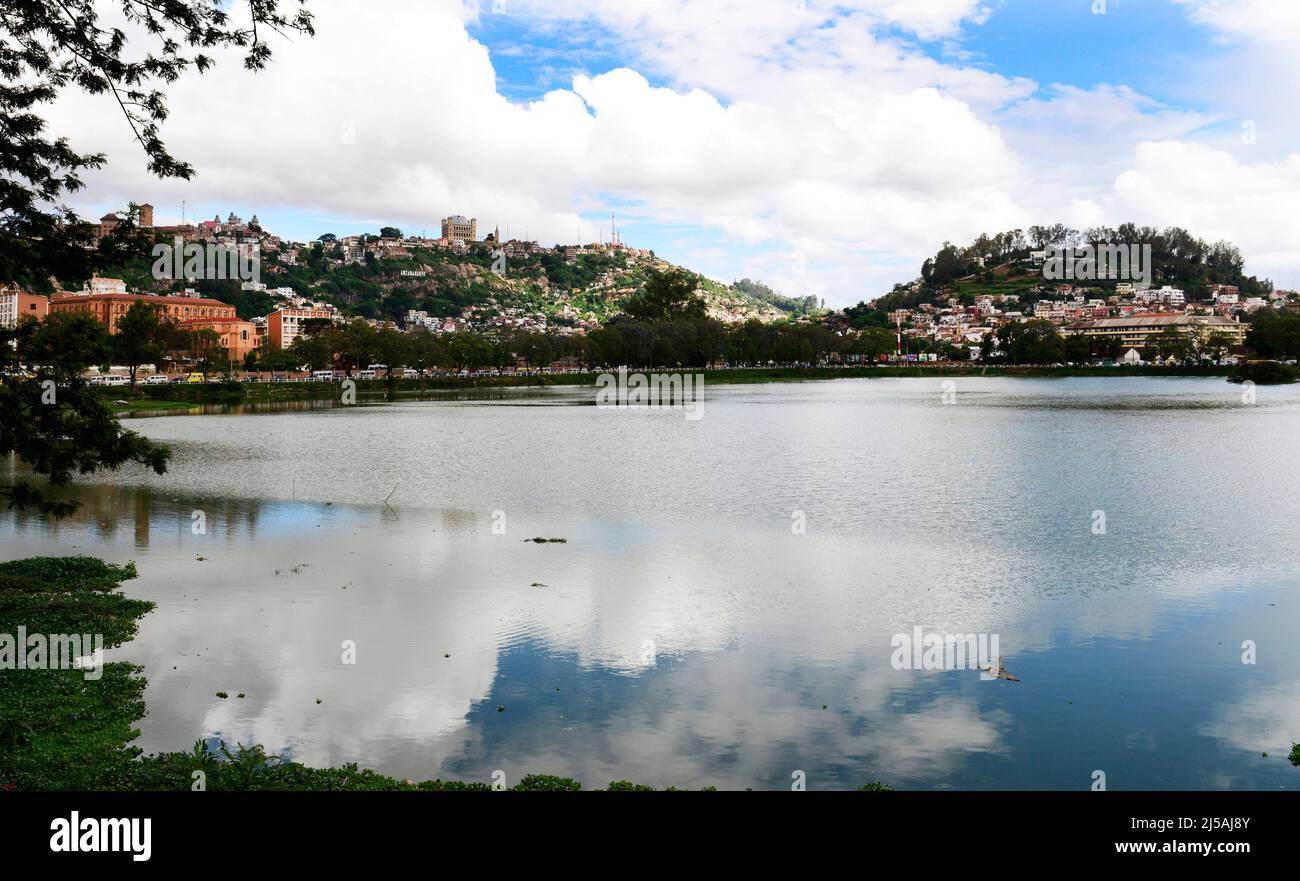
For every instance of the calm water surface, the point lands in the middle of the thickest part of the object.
(685, 634)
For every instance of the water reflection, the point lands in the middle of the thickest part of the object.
(684, 634)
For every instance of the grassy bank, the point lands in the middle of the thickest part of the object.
(62, 731)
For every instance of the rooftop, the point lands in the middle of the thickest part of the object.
(67, 297)
(1151, 319)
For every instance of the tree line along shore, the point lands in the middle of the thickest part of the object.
(184, 396)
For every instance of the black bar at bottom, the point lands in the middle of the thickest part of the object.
(306, 829)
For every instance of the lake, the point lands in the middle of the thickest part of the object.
(727, 604)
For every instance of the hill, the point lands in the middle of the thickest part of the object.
(385, 278)
(1004, 263)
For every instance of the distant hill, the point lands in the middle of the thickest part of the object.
(1178, 258)
(761, 292)
(591, 285)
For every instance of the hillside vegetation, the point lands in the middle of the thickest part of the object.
(1001, 264)
(591, 286)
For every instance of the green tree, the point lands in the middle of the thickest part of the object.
(872, 342)
(49, 46)
(425, 350)
(207, 353)
(140, 338)
(278, 360)
(1077, 349)
(470, 351)
(950, 264)
(1205, 344)
(537, 349)
(316, 350)
(667, 294)
(1171, 342)
(355, 346)
(1031, 342)
(55, 422)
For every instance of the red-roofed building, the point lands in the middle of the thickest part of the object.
(108, 308)
(238, 337)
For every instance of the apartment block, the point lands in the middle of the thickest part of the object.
(16, 302)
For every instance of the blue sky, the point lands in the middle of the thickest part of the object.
(823, 148)
(1141, 43)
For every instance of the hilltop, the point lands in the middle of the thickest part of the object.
(387, 277)
(1011, 263)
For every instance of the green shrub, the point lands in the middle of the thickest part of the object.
(1264, 373)
(547, 783)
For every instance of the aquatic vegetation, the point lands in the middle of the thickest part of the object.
(58, 728)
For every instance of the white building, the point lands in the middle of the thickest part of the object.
(1167, 294)
(98, 285)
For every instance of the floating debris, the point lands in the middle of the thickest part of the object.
(537, 584)
(997, 671)
(541, 541)
(222, 695)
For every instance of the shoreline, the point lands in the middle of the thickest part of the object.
(184, 399)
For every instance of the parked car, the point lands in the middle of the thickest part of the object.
(109, 379)
(156, 379)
